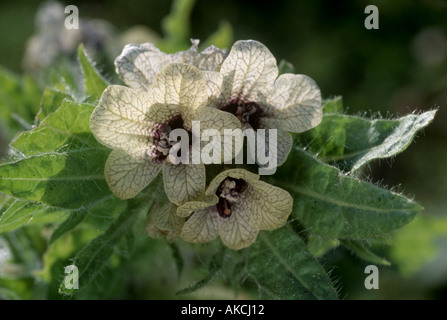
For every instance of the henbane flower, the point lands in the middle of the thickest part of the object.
(248, 86)
(237, 206)
(137, 125)
(138, 64)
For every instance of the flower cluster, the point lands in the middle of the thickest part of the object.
(168, 92)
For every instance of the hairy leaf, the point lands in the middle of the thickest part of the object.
(351, 142)
(96, 214)
(59, 255)
(213, 268)
(177, 257)
(63, 169)
(333, 205)
(94, 255)
(75, 218)
(19, 102)
(94, 82)
(15, 213)
(63, 76)
(363, 252)
(282, 268)
(334, 105)
(50, 101)
(319, 246)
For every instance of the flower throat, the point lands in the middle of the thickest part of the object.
(246, 112)
(229, 192)
(162, 142)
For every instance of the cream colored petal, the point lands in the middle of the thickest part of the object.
(213, 81)
(283, 144)
(138, 64)
(248, 70)
(119, 121)
(170, 223)
(187, 208)
(294, 104)
(189, 56)
(160, 113)
(184, 182)
(268, 206)
(233, 173)
(211, 118)
(151, 226)
(237, 231)
(127, 175)
(180, 84)
(202, 226)
(164, 222)
(210, 59)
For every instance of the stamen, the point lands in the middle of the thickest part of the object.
(227, 210)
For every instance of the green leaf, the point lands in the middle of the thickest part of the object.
(333, 205)
(72, 221)
(213, 268)
(95, 219)
(282, 268)
(18, 288)
(94, 82)
(60, 162)
(24, 247)
(63, 76)
(6, 294)
(177, 257)
(58, 165)
(19, 102)
(334, 105)
(15, 213)
(360, 250)
(93, 256)
(319, 246)
(58, 255)
(351, 142)
(285, 67)
(176, 26)
(221, 38)
(31, 94)
(51, 100)
(65, 130)
(421, 242)
(72, 237)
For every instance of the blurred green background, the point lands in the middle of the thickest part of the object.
(398, 69)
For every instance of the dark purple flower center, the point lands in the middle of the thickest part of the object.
(246, 112)
(229, 192)
(162, 144)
